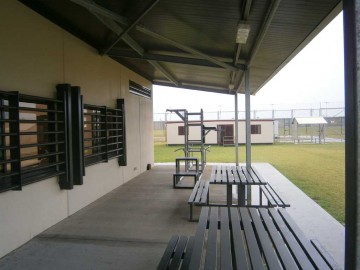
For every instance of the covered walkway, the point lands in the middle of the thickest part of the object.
(129, 227)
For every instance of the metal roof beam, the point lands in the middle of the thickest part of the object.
(247, 9)
(113, 26)
(263, 30)
(103, 11)
(165, 58)
(185, 48)
(166, 73)
(92, 6)
(197, 87)
(109, 22)
(129, 27)
(265, 26)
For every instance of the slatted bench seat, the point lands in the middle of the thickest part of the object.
(254, 238)
(199, 196)
(177, 253)
(272, 197)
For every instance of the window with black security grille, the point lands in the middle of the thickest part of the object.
(32, 139)
(104, 134)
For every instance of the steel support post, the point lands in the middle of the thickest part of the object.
(248, 130)
(352, 126)
(240, 191)
(236, 131)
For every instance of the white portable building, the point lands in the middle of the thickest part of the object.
(262, 132)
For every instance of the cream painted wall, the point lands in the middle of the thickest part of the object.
(36, 55)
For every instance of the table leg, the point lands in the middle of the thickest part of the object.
(241, 195)
(229, 194)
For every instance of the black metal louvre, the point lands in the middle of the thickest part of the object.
(139, 90)
(103, 134)
(31, 139)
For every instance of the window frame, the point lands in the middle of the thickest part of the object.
(110, 131)
(181, 131)
(256, 129)
(12, 174)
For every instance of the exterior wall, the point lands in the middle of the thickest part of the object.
(36, 55)
(266, 136)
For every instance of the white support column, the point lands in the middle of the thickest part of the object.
(236, 130)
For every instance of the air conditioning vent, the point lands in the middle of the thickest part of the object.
(139, 90)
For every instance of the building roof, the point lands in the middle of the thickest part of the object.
(310, 120)
(191, 43)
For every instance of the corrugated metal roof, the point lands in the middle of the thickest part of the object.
(191, 43)
(310, 120)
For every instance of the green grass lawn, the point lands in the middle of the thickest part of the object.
(319, 170)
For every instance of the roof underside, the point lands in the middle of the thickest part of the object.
(191, 43)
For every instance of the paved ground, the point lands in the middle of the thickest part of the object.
(129, 227)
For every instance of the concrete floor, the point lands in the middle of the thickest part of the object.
(129, 227)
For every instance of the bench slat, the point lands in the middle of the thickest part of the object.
(188, 253)
(224, 178)
(290, 240)
(211, 254)
(218, 174)
(194, 192)
(258, 175)
(225, 243)
(253, 176)
(204, 196)
(199, 240)
(255, 255)
(269, 252)
(238, 241)
(213, 174)
(325, 255)
(247, 177)
(276, 196)
(284, 254)
(179, 251)
(235, 175)
(199, 192)
(312, 252)
(268, 196)
(230, 175)
(165, 259)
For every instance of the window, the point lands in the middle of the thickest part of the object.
(139, 90)
(31, 139)
(181, 130)
(255, 129)
(94, 134)
(42, 137)
(104, 134)
(115, 130)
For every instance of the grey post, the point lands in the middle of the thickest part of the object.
(248, 128)
(236, 130)
(352, 126)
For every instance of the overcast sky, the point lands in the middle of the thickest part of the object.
(314, 76)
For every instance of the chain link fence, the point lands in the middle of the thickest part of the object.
(283, 131)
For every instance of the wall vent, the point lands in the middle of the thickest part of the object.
(139, 90)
